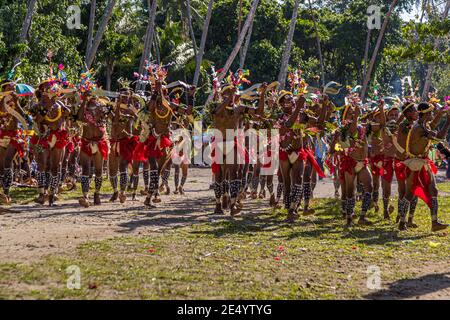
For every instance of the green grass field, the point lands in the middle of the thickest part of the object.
(253, 257)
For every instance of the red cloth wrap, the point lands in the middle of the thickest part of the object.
(62, 139)
(14, 140)
(348, 164)
(284, 155)
(267, 156)
(388, 166)
(330, 166)
(310, 157)
(400, 170)
(73, 143)
(126, 147)
(422, 180)
(376, 171)
(140, 152)
(103, 147)
(155, 151)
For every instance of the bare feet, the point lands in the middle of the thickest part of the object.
(438, 226)
(364, 222)
(114, 197)
(292, 216)
(40, 199)
(272, 201)
(84, 202)
(234, 210)
(402, 226)
(218, 209)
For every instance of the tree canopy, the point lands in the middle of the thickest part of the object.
(407, 47)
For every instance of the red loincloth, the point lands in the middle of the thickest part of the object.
(376, 171)
(126, 147)
(421, 181)
(15, 140)
(157, 151)
(62, 139)
(103, 147)
(284, 155)
(74, 142)
(400, 169)
(348, 164)
(310, 157)
(140, 152)
(388, 166)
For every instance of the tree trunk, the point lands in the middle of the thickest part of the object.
(109, 72)
(91, 26)
(238, 44)
(239, 27)
(246, 45)
(191, 30)
(366, 53)
(203, 42)
(26, 25)
(430, 71)
(368, 74)
(148, 36)
(99, 34)
(319, 47)
(156, 44)
(287, 49)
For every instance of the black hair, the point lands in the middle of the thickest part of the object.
(423, 106)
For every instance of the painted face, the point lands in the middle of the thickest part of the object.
(393, 115)
(377, 118)
(7, 87)
(286, 103)
(124, 98)
(412, 114)
(93, 103)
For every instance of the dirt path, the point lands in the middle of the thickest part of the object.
(33, 231)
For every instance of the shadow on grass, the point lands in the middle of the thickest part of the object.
(409, 288)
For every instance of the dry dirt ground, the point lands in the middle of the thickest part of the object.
(33, 231)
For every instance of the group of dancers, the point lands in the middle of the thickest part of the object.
(65, 126)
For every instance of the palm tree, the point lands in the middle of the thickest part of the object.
(99, 34)
(246, 45)
(430, 71)
(91, 25)
(366, 52)
(191, 29)
(368, 74)
(238, 44)
(148, 35)
(287, 49)
(319, 48)
(203, 42)
(26, 25)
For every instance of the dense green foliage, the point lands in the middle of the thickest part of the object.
(406, 48)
